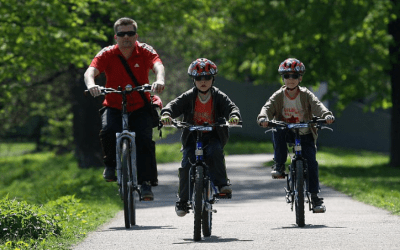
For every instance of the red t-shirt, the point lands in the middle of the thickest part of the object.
(141, 61)
(203, 112)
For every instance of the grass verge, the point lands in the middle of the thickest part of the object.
(75, 200)
(365, 176)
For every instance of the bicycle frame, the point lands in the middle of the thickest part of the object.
(130, 136)
(297, 150)
(199, 153)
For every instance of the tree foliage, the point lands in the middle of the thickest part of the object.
(343, 42)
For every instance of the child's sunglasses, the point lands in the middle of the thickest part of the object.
(206, 78)
(293, 76)
(129, 33)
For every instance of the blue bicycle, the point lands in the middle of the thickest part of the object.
(298, 177)
(202, 191)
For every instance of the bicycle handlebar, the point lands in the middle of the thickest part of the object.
(204, 127)
(128, 89)
(284, 125)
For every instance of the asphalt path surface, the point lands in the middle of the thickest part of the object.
(257, 217)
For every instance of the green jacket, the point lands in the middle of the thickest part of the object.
(184, 105)
(272, 109)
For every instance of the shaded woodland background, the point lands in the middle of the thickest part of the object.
(46, 46)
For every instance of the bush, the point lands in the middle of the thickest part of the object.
(19, 220)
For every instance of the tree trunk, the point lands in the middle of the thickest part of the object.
(86, 122)
(394, 30)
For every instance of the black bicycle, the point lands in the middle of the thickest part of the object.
(126, 156)
(298, 178)
(202, 191)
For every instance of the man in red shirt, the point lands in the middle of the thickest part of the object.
(141, 58)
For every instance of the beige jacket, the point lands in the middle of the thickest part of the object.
(272, 109)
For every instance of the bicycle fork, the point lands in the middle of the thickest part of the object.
(207, 204)
(290, 178)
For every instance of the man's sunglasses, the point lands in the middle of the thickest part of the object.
(202, 78)
(129, 33)
(293, 76)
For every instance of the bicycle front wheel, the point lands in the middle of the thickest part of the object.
(299, 194)
(207, 213)
(198, 202)
(126, 189)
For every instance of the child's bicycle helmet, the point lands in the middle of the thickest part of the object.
(291, 65)
(202, 67)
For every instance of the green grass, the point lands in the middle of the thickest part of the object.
(366, 176)
(10, 149)
(78, 200)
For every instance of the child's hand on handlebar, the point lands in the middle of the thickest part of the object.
(234, 120)
(263, 122)
(166, 120)
(330, 119)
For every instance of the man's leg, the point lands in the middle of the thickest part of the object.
(111, 124)
(140, 121)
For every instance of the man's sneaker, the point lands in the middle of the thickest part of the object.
(317, 204)
(181, 208)
(109, 174)
(145, 191)
(278, 171)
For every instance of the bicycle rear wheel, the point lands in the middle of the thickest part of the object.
(198, 202)
(126, 189)
(207, 214)
(299, 196)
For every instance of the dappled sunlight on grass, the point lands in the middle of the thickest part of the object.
(366, 176)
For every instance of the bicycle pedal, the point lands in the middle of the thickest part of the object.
(278, 177)
(147, 199)
(223, 196)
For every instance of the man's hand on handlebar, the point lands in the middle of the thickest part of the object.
(166, 120)
(95, 90)
(157, 87)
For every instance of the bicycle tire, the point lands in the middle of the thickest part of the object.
(207, 215)
(198, 202)
(133, 194)
(299, 199)
(125, 179)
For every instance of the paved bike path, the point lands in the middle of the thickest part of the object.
(256, 218)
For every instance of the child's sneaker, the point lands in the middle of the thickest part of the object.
(278, 171)
(225, 190)
(181, 208)
(317, 204)
(145, 190)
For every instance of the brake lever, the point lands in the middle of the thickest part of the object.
(325, 127)
(272, 129)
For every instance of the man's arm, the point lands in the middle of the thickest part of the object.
(158, 85)
(89, 76)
